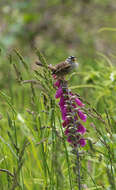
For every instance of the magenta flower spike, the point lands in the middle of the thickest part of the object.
(67, 131)
(74, 106)
(81, 129)
(82, 116)
(69, 108)
(66, 122)
(54, 76)
(57, 83)
(79, 103)
(69, 139)
(62, 101)
(82, 142)
(59, 92)
(64, 113)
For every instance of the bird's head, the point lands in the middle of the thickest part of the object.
(71, 59)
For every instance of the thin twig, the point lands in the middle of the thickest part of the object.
(75, 149)
(30, 81)
(7, 171)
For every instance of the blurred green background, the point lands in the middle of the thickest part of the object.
(59, 27)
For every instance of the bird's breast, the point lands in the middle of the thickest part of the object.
(75, 65)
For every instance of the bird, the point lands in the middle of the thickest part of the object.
(64, 67)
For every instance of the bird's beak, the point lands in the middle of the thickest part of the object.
(75, 60)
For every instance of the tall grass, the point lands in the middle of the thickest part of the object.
(34, 153)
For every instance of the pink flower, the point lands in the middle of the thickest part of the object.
(75, 118)
(59, 92)
(67, 131)
(54, 76)
(69, 139)
(82, 142)
(70, 114)
(66, 122)
(74, 106)
(81, 129)
(64, 113)
(62, 102)
(79, 103)
(82, 116)
(57, 83)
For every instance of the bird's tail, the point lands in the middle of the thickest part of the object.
(39, 63)
(52, 68)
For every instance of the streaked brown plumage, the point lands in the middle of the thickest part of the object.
(62, 68)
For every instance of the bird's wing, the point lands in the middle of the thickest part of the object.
(51, 67)
(61, 67)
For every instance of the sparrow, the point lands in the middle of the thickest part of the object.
(62, 68)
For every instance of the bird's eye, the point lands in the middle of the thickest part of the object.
(72, 57)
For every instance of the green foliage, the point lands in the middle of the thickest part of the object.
(34, 150)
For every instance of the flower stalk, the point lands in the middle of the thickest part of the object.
(72, 116)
